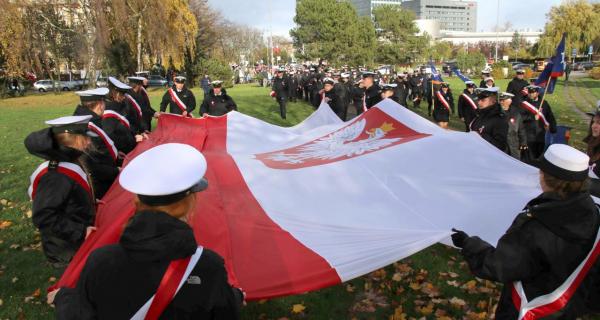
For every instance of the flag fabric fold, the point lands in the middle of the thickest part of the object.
(436, 77)
(554, 69)
(298, 209)
(460, 75)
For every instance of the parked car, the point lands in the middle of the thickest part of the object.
(101, 82)
(156, 81)
(46, 85)
(517, 66)
(584, 66)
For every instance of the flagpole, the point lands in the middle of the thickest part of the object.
(544, 96)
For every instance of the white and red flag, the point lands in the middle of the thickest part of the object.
(297, 209)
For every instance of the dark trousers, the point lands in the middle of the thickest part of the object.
(282, 104)
(306, 94)
(358, 105)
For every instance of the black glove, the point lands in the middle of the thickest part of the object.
(459, 238)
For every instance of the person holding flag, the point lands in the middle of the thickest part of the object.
(444, 105)
(138, 97)
(467, 107)
(490, 122)
(115, 121)
(547, 257)
(179, 98)
(537, 119)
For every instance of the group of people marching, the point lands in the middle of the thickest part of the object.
(547, 258)
(83, 155)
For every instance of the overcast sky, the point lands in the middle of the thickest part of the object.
(522, 14)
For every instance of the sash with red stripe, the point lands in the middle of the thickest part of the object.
(69, 169)
(470, 101)
(145, 93)
(110, 145)
(175, 276)
(177, 101)
(116, 115)
(440, 97)
(524, 91)
(364, 101)
(135, 105)
(556, 300)
(535, 111)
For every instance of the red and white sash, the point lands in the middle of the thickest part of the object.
(556, 300)
(116, 115)
(69, 169)
(535, 111)
(134, 104)
(176, 275)
(524, 91)
(470, 101)
(442, 100)
(177, 101)
(145, 92)
(364, 102)
(110, 145)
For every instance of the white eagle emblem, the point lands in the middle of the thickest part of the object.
(339, 144)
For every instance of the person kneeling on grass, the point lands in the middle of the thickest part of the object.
(547, 259)
(156, 269)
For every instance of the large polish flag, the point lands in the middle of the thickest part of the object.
(297, 209)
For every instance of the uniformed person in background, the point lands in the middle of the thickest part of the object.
(444, 105)
(179, 98)
(544, 246)
(402, 89)
(467, 105)
(516, 139)
(117, 280)
(280, 91)
(416, 89)
(484, 75)
(138, 92)
(372, 90)
(217, 102)
(114, 120)
(342, 90)
(388, 92)
(489, 82)
(517, 86)
(63, 198)
(102, 158)
(490, 122)
(329, 95)
(358, 95)
(293, 85)
(534, 123)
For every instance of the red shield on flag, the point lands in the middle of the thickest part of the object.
(370, 132)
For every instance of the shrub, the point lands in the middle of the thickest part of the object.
(595, 73)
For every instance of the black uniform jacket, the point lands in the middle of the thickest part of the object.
(122, 136)
(102, 167)
(185, 95)
(465, 110)
(491, 124)
(535, 128)
(61, 208)
(542, 247)
(372, 95)
(515, 86)
(217, 105)
(147, 110)
(281, 87)
(118, 279)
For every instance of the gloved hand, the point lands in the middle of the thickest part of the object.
(459, 237)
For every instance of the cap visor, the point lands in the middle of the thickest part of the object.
(91, 134)
(200, 186)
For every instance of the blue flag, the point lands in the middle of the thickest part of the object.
(460, 75)
(435, 75)
(554, 69)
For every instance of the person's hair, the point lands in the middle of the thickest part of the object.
(90, 105)
(177, 209)
(113, 93)
(565, 188)
(593, 146)
(70, 140)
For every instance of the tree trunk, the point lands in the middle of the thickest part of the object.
(139, 43)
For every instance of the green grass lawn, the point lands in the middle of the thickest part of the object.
(433, 283)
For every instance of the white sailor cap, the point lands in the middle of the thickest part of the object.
(469, 83)
(367, 74)
(216, 83)
(389, 86)
(533, 88)
(483, 93)
(92, 94)
(506, 95)
(281, 69)
(71, 124)
(180, 79)
(136, 79)
(328, 80)
(488, 79)
(520, 71)
(485, 71)
(565, 163)
(345, 75)
(115, 83)
(165, 184)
